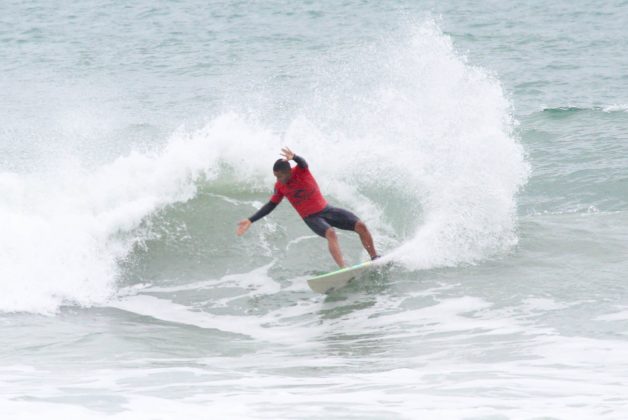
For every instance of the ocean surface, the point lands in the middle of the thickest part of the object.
(484, 143)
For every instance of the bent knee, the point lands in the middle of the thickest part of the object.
(360, 226)
(330, 233)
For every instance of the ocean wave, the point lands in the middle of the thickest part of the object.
(408, 135)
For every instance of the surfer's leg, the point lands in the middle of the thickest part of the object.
(366, 238)
(334, 247)
(344, 219)
(321, 227)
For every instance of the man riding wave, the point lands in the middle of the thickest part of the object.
(300, 188)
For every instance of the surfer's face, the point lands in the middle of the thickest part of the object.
(282, 176)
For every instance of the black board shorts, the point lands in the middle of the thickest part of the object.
(331, 216)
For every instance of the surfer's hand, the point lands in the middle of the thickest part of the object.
(287, 153)
(243, 226)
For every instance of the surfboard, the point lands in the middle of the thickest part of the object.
(328, 282)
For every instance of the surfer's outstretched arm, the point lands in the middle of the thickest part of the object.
(267, 208)
(289, 155)
(244, 225)
(300, 161)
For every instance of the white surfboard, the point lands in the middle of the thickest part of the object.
(325, 283)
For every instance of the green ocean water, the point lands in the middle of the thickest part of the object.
(484, 144)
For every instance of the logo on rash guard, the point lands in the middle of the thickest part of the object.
(300, 195)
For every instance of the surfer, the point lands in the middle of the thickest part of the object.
(301, 189)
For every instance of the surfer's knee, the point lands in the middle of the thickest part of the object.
(360, 227)
(330, 234)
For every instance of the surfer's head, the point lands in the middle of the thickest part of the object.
(282, 170)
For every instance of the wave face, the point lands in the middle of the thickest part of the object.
(405, 133)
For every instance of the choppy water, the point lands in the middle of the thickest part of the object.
(484, 144)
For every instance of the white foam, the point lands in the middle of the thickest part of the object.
(166, 310)
(544, 305)
(275, 326)
(257, 280)
(443, 317)
(616, 108)
(616, 316)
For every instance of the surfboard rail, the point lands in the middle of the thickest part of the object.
(334, 280)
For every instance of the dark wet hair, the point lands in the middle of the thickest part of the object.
(281, 165)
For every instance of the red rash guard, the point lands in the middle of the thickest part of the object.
(302, 192)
